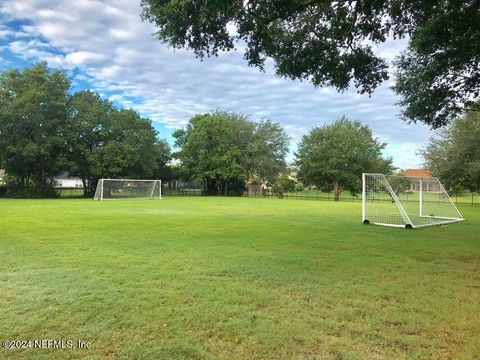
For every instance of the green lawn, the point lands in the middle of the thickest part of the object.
(235, 278)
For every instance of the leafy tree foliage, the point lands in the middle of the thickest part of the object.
(334, 156)
(44, 131)
(439, 75)
(283, 184)
(87, 133)
(33, 121)
(106, 142)
(225, 149)
(454, 155)
(330, 43)
(269, 147)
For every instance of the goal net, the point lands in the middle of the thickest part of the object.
(254, 190)
(108, 189)
(405, 201)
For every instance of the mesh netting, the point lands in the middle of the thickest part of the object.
(128, 189)
(403, 200)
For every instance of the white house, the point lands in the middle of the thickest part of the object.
(66, 181)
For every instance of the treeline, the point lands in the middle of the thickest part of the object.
(45, 130)
(454, 153)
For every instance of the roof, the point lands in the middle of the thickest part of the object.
(421, 173)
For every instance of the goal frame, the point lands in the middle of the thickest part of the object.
(100, 185)
(408, 223)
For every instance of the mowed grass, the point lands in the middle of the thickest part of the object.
(235, 278)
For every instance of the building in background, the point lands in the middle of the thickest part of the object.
(420, 173)
(66, 181)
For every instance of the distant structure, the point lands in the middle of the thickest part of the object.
(66, 181)
(420, 173)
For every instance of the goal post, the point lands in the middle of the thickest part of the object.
(405, 201)
(112, 189)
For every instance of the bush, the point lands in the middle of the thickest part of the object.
(299, 187)
(29, 191)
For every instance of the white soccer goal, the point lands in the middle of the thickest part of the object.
(405, 201)
(108, 189)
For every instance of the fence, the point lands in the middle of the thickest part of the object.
(183, 188)
(313, 194)
(69, 192)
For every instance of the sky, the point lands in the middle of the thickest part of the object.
(105, 46)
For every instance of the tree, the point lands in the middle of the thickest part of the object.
(129, 149)
(163, 169)
(335, 155)
(33, 120)
(330, 43)
(269, 149)
(88, 129)
(438, 77)
(226, 149)
(283, 184)
(106, 142)
(454, 155)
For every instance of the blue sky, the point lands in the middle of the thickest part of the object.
(104, 46)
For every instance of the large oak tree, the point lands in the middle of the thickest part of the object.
(33, 123)
(44, 131)
(334, 156)
(107, 142)
(226, 149)
(454, 155)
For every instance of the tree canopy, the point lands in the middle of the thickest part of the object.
(227, 149)
(331, 43)
(33, 122)
(334, 156)
(44, 131)
(108, 142)
(454, 155)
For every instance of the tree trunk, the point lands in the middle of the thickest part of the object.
(337, 188)
(85, 190)
(226, 188)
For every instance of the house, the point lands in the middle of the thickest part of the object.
(2, 177)
(64, 180)
(418, 173)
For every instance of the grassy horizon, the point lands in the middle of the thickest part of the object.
(235, 278)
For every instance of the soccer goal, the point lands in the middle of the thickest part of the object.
(109, 189)
(405, 201)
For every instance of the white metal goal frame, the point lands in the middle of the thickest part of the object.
(406, 201)
(128, 189)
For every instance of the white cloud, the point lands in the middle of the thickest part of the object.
(80, 58)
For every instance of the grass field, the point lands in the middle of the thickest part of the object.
(235, 278)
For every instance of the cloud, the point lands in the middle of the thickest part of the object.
(105, 45)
